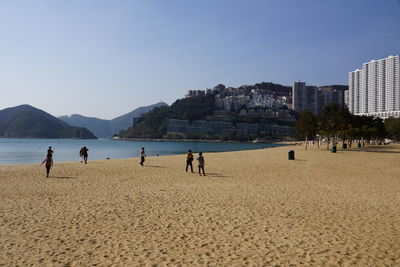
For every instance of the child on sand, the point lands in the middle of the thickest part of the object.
(201, 163)
(189, 160)
(49, 163)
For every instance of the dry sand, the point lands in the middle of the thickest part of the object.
(255, 208)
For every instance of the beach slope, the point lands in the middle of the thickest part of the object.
(253, 208)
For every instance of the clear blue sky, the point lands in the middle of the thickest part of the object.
(105, 58)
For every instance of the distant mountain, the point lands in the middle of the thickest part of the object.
(125, 121)
(101, 128)
(26, 121)
(106, 128)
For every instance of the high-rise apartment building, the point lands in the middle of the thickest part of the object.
(346, 98)
(374, 89)
(313, 98)
(326, 97)
(305, 97)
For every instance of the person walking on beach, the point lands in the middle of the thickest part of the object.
(81, 154)
(201, 163)
(50, 152)
(84, 153)
(189, 160)
(49, 163)
(142, 155)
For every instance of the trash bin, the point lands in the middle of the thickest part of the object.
(333, 149)
(291, 155)
(344, 146)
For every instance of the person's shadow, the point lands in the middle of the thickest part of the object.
(217, 175)
(61, 177)
(152, 166)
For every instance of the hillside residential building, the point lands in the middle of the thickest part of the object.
(305, 97)
(186, 128)
(374, 89)
(326, 97)
(314, 98)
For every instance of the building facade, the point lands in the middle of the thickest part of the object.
(305, 97)
(314, 98)
(326, 97)
(186, 128)
(346, 98)
(374, 89)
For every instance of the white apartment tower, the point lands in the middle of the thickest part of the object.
(374, 89)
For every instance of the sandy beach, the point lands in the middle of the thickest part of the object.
(255, 208)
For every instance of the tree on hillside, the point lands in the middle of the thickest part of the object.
(194, 108)
(306, 125)
(154, 124)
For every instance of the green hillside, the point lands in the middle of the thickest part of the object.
(28, 122)
(154, 123)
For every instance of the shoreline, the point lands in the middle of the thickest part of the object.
(277, 141)
(138, 157)
(14, 152)
(196, 140)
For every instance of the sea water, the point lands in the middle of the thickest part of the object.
(20, 151)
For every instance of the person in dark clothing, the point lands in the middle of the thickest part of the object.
(201, 162)
(142, 156)
(189, 160)
(84, 153)
(49, 163)
(50, 152)
(81, 154)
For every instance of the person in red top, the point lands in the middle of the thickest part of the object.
(49, 163)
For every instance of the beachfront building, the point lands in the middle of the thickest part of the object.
(346, 98)
(374, 89)
(356, 101)
(328, 95)
(305, 97)
(314, 98)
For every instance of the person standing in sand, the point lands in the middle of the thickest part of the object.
(84, 153)
(142, 156)
(49, 163)
(189, 160)
(201, 163)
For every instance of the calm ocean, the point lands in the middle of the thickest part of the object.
(19, 151)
